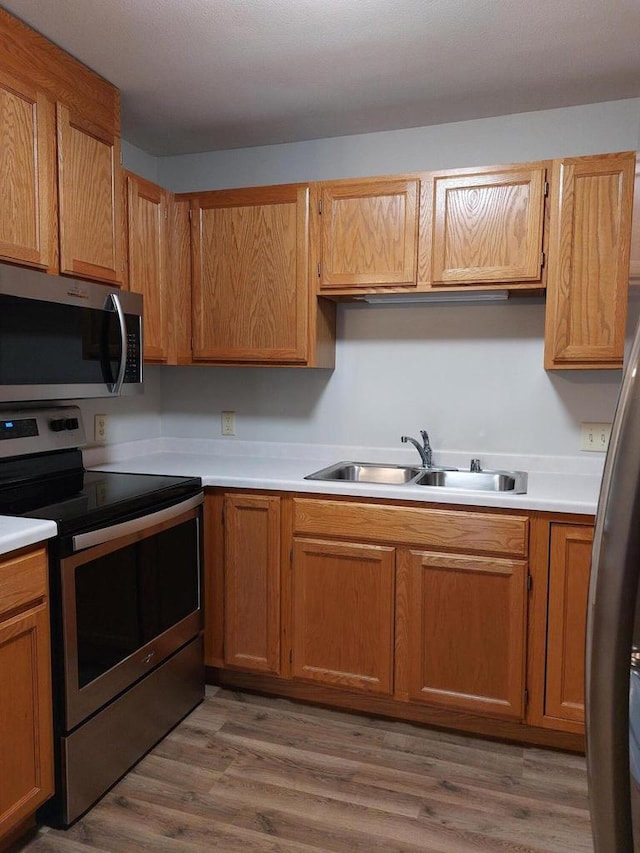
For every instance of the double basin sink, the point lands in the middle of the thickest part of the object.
(411, 475)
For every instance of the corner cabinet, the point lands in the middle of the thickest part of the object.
(147, 261)
(252, 302)
(26, 724)
(366, 233)
(589, 251)
(483, 226)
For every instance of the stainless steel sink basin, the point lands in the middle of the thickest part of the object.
(368, 472)
(481, 481)
(403, 475)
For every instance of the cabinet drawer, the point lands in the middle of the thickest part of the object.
(494, 533)
(23, 579)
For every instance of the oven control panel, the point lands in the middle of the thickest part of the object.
(39, 430)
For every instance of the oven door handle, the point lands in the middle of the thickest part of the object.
(136, 525)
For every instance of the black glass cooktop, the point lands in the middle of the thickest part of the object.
(57, 488)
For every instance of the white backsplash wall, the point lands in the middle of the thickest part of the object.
(471, 374)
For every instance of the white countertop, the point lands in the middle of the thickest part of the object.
(16, 533)
(572, 487)
(555, 484)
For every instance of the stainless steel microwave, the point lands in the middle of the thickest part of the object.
(66, 339)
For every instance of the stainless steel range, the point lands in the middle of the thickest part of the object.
(125, 592)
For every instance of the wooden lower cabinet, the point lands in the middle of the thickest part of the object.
(466, 618)
(252, 582)
(569, 570)
(26, 727)
(343, 614)
(466, 631)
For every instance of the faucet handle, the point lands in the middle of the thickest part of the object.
(475, 466)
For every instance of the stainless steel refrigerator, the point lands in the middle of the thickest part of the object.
(613, 633)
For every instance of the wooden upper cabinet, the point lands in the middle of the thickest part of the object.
(588, 279)
(252, 582)
(28, 219)
(482, 226)
(250, 275)
(368, 234)
(466, 631)
(89, 190)
(569, 572)
(634, 266)
(147, 256)
(343, 614)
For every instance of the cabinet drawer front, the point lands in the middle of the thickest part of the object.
(23, 579)
(433, 528)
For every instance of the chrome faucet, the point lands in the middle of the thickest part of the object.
(424, 449)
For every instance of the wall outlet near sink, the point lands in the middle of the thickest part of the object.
(228, 423)
(595, 436)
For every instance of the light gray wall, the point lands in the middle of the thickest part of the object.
(590, 129)
(471, 374)
(139, 162)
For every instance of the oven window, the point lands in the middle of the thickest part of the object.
(128, 597)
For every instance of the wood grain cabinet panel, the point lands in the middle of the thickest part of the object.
(28, 219)
(487, 225)
(569, 571)
(147, 256)
(587, 288)
(252, 582)
(90, 199)
(466, 632)
(26, 727)
(250, 275)
(634, 265)
(343, 614)
(368, 234)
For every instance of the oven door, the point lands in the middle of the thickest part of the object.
(128, 603)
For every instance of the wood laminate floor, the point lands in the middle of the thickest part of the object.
(248, 774)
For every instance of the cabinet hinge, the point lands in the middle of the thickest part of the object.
(320, 206)
(542, 259)
(166, 213)
(319, 270)
(290, 656)
(526, 697)
(291, 557)
(190, 214)
(529, 583)
(546, 189)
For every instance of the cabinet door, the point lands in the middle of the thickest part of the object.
(26, 748)
(147, 245)
(569, 570)
(368, 234)
(487, 226)
(90, 200)
(343, 615)
(588, 282)
(466, 628)
(634, 266)
(250, 275)
(252, 582)
(28, 219)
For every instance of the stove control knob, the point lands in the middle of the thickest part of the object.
(58, 424)
(71, 423)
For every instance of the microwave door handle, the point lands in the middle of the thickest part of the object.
(117, 385)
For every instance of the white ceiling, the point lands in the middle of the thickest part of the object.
(202, 75)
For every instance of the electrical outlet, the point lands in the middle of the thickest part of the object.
(100, 428)
(228, 423)
(595, 436)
